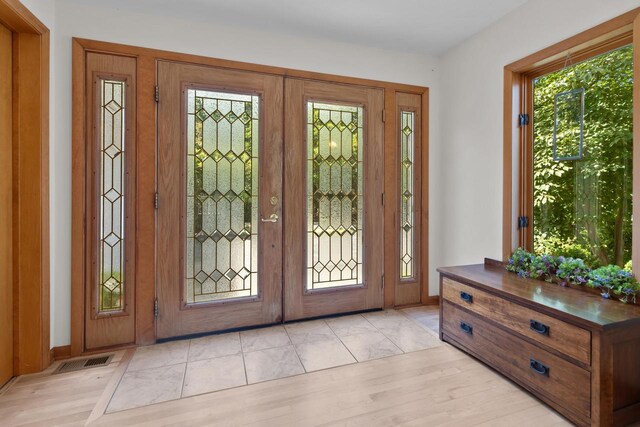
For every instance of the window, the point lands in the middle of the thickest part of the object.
(582, 159)
(407, 220)
(222, 196)
(335, 195)
(111, 250)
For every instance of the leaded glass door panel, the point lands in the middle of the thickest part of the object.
(334, 227)
(219, 194)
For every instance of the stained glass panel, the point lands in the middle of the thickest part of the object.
(111, 209)
(568, 126)
(222, 196)
(406, 193)
(334, 195)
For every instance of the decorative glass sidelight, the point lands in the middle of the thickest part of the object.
(111, 254)
(407, 120)
(222, 196)
(334, 195)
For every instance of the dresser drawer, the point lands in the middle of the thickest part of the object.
(562, 382)
(561, 336)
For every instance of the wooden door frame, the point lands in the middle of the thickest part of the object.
(517, 163)
(31, 187)
(146, 174)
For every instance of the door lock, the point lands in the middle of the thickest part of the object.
(272, 218)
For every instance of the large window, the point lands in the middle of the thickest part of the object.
(582, 159)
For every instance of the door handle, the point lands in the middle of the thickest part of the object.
(466, 328)
(538, 367)
(466, 297)
(540, 328)
(272, 218)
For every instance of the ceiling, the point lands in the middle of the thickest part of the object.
(421, 26)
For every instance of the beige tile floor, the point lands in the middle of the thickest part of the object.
(178, 369)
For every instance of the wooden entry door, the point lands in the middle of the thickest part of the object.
(6, 203)
(219, 231)
(334, 198)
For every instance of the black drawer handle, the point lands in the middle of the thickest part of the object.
(466, 328)
(538, 367)
(540, 328)
(466, 297)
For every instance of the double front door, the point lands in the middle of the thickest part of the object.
(269, 199)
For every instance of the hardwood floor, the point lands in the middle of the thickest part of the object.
(436, 386)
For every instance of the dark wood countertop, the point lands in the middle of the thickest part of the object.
(583, 308)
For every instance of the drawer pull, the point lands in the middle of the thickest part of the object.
(540, 328)
(538, 367)
(466, 328)
(466, 297)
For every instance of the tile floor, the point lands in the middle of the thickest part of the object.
(177, 369)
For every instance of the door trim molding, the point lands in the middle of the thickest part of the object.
(146, 159)
(31, 187)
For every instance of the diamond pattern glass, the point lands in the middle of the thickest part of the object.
(222, 196)
(407, 119)
(111, 204)
(334, 195)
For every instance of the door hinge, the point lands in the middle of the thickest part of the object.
(382, 282)
(157, 94)
(384, 116)
(523, 119)
(155, 200)
(523, 222)
(155, 307)
(382, 199)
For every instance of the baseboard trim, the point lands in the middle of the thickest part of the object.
(432, 300)
(61, 352)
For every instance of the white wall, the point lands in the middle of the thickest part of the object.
(467, 192)
(44, 10)
(81, 20)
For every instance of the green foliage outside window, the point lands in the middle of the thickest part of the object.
(582, 208)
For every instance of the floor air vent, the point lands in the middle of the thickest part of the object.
(79, 364)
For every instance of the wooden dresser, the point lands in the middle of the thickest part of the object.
(576, 351)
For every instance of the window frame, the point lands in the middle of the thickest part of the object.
(518, 140)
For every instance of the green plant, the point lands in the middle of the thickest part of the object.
(519, 262)
(572, 271)
(543, 267)
(613, 279)
(610, 279)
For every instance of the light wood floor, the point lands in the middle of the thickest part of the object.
(438, 386)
